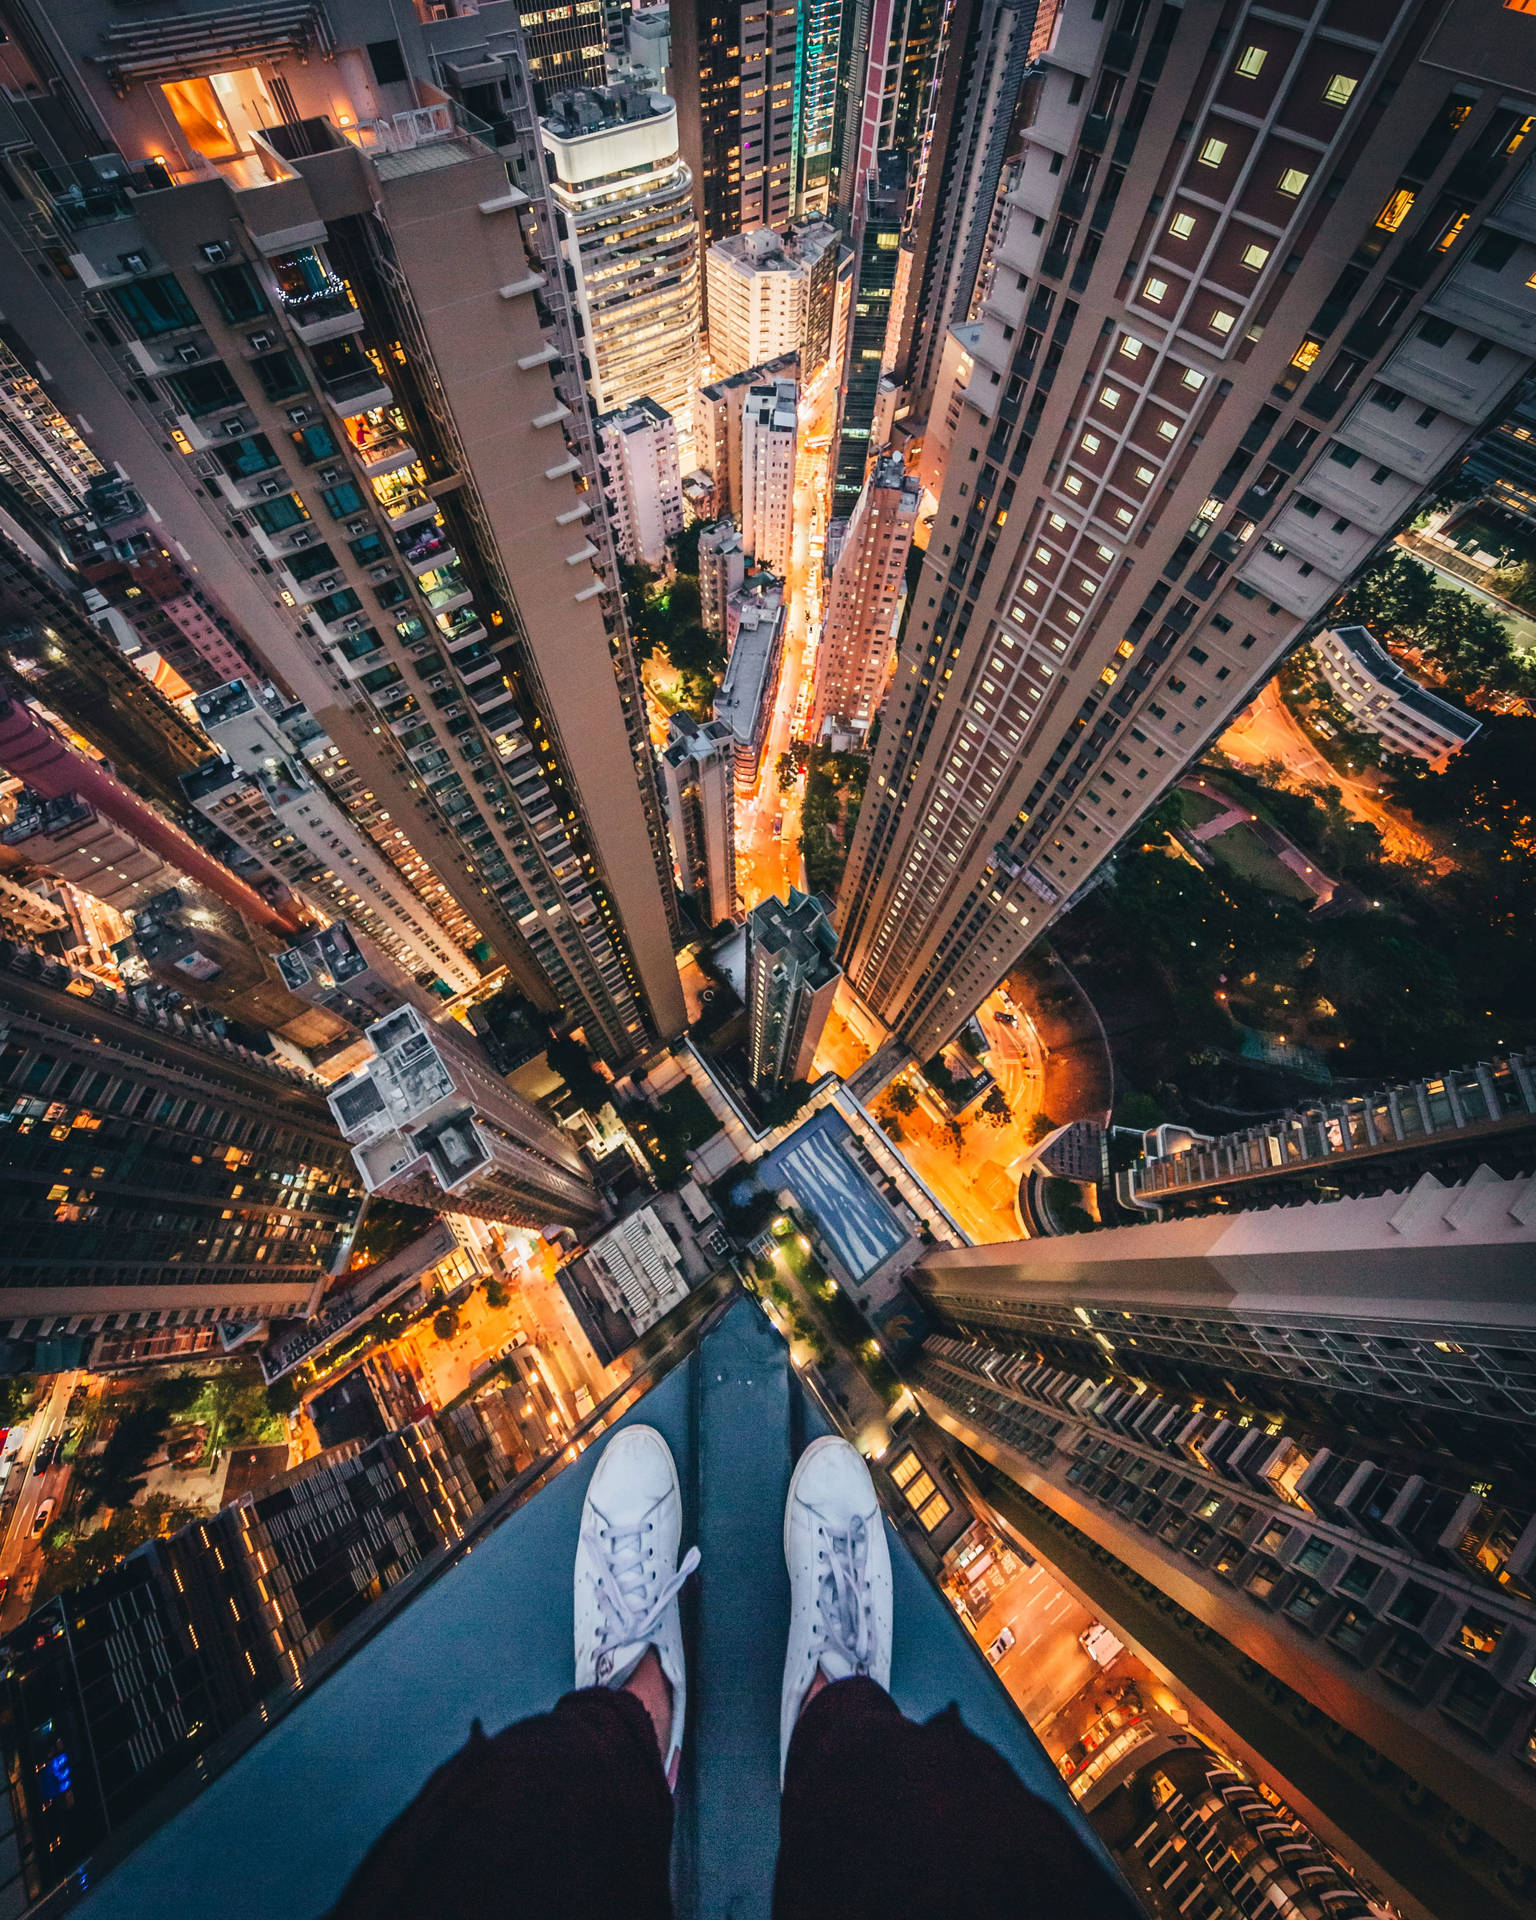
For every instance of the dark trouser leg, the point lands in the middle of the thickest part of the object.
(885, 1817)
(566, 1814)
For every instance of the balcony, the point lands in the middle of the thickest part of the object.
(425, 546)
(324, 315)
(387, 454)
(357, 393)
(406, 506)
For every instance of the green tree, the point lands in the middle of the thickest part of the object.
(176, 1393)
(902, 1097)
(496, 1294)
(570, 1059)
(76, 1559)
(118, 1472)
(445, 1324)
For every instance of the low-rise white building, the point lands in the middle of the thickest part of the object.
(722, 567)
(769, 434)
(745, 700)
(1380, 697)
(770, 294)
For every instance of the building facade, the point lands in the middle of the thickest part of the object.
(791, 983)
(718, 427)
(755, 620)
(624, 198)
(771, 294)
(770, 433)
(155, 1172)
(698, 766)
(637, 445)
(873, 290)
(1383, 698)
(339, 475)
(722, 567)
(430, 1123)
(734, 66)
(1287, 1453)
(858, 636)
(1064, 660)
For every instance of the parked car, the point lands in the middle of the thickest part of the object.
(41, 1518)
(1001, 1645)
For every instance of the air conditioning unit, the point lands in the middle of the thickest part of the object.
(355, 527)
(270, 488)
(209, 469)
(234, 428)
(213, 251)
(331, 583)
(300, 416)
(304, 537)
(188, 353)
(260, 342)
(330, 475)
(354, 625)
(133, 262)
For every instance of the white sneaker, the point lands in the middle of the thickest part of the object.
(627, 1572)
(839, 1578)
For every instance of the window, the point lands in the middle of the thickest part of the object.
(153, 306)
(1479, 1634)
(1131, 347)
(1387, 398)
(1221, 321)
(1494, 252)
(1193, 379)
(1182, 225)
(1448, 239)
(241, 459)
(906, 1469)
(1169, 429)
(1213, 153)
(279, 375)
(206, 390)
(1250, 62)
(1305, 506)
(272, 516)
(1436, 333)
(1343, 456)
(237, 293)
(313, 443)
(1396, 211)
(1340, 88)
(1145, 476)
(1090, 443)
(1479, 353)
(1413, 1603)
(1293, 181)
(1154, 289)
(1109, 397)
(1254, 257)
(933, 1512)
(344, 500)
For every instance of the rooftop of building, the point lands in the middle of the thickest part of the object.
(1373, 659)
(774, 402)
(748, 682)
(688, 738)
(786, 366)
(635, 416)
(484, 1634)
(626, 101)
(802, 926)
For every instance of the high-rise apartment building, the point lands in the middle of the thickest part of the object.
(430, 1123)
(637, 445)
(625, 203)
(722, 568)
(1288, 1455)
(769, 440)
(734, 66)
(874, 287)
(382, 460)
(791, 983)
(755, 620)
(858, 635)
(567, 47)
(1162, 478)
(44, 463)
(717, 422)
(154, 1172)
(818, 68)
(698, 781)
(985, 57)
(772, 294)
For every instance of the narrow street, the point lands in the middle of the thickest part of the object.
(20, 1555)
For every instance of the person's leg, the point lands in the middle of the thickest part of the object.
(883, 1816)
(568, 1813)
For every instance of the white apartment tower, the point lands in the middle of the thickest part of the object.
(637, 447)
(722, 567)
(625, 203)
(697, 783)
(770, 294)
(858, 639)
(768, 439)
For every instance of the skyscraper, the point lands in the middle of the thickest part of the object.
(722, 567)
(734, 67)
(430, 1123)
(769, 439)
(1288, 1453)
(791, 983)
(772, 294)
(698, 780)
(874, 286)
(718, 423)
(624, 199)
(817, 68)
(1162, 479)
(858, 636)
(154, 1172)
(644, 489)
(362, 467)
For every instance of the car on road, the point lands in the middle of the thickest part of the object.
(1001, 1645)
(778, 825)
(1005, 1019)
(41, 1518)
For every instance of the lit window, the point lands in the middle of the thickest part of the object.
(1448, 239)
(1145, 476)
(1043, 555)
(1169, 429)
(920, 1489)
(1339, 88)
(1250, 62)
(1089, 587)
(1213, 153)
(1057, 522)
(905, 1469)
(936, 1510)
(1072, 485)
(1255, 257)
(1155, 289)
(1090, 443)
(1293, 181)
(1073, 616)
(1306, 354)
(1130, 347)
(1182, 225)
(1193, 379)
(1109, 397)
(1031, 586)
(1518, 138)
(1221, 321)
(1124, 516)
(1105, 554)
(1395, 212)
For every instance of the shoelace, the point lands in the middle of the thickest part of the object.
(845, 1620)
(621, 1593)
